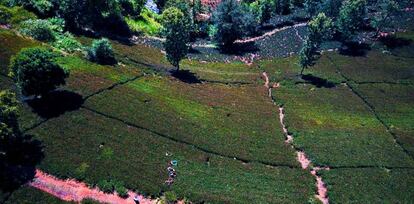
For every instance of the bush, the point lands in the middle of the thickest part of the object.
(5, 15)
(36, 72)
(67, 42)
(106, 186)
(101, 52)
(120, 189)
(170, 197)
(38, 29)
(19, 15)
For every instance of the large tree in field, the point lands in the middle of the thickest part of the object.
(351, 17)
(176, 30)
(320, 29)
(232, 21)
(36, 72)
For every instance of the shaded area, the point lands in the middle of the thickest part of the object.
(56, 103)
(18, 159)
(186, 76)
(395, 42)
(355, 49)
(240, 48)
(317, 81)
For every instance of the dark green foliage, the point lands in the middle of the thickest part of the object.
(233, 21)
(36, 72)
(312, 7)
(132, 7)
(320, 28)
(120, 189)
(282, 7)
(101, 52)
(38, 29)
(387, 10)
(8, 113)
(176, 30)
(5, 15)
(106, 186)
(307, 54)
(331, 7)
(262, 10)
(351, 17)
(170, 197)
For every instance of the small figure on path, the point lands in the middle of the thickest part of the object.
(136, 199)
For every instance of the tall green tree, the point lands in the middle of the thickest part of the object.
(36, 72)
(351, 17)
(387, 10)
(320, 29)
(177, 34)
(232, 21)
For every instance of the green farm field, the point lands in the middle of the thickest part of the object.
(353, 116)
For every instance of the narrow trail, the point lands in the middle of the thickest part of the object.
(322, 190)
(240, 41)
(72, 190)
(270, 33)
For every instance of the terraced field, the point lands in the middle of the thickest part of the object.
(352, 116)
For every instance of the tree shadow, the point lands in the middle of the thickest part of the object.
(240, 48)
(355, 49)
(317, 81)
(56, 103)
(186, 76)
(18, 161)
(393, 42)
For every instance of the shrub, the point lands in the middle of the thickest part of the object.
(67, 42)
(120, 189)
(38, 29)
(56, 24)
(8, 111)
(101, 52)
(19, 15)
(36, 72)
(106, 186)
(170, 197)
(5, 15)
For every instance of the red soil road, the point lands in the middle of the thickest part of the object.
(322, 192)
(72, 190)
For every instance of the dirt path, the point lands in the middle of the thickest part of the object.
(270, 33)
(72, 190)
(322, 190)
(253, 39)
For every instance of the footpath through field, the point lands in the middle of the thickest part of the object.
(72, 190)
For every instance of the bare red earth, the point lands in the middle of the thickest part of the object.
(72, 190)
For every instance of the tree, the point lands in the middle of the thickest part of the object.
(320, 28)
(101, 52)
(332, 7)
(387, 9)
(312, 7)
(36, 72)
(232, 22)
(307, 54)
(176, 30)
(351, 17)
(282, 7)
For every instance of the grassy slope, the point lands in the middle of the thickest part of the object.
(235, 121)
(138, 158)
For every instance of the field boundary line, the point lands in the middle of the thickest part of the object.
(199, 148)
(371, 108)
